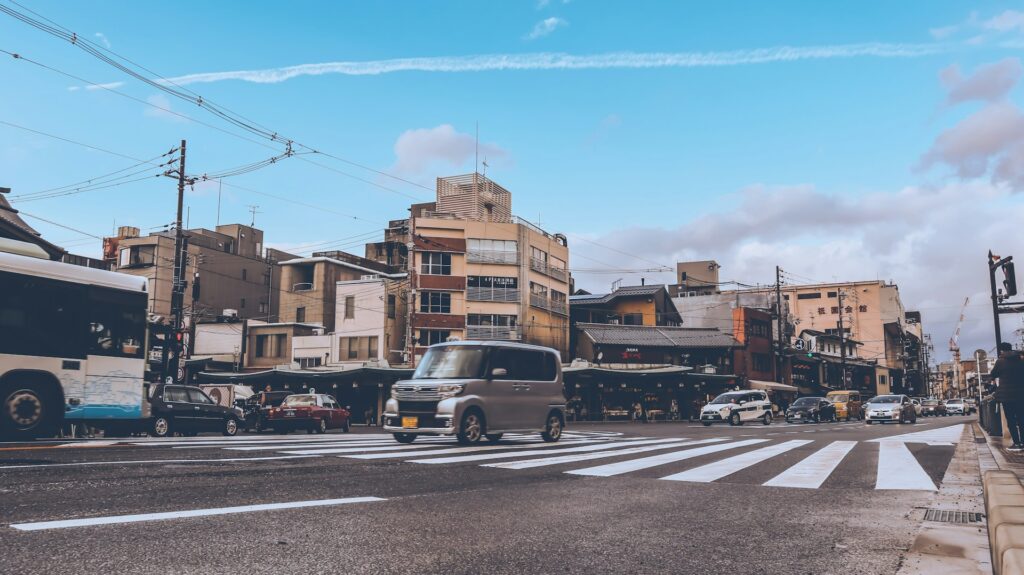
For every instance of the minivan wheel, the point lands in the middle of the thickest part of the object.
(734, 419)
(767, 419)
(494, 437)
(405, 437)
(230, 427)
(471, 429)
(161, 427)
(553, 428)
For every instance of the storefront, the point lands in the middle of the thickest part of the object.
(364, 390)
(612, 394)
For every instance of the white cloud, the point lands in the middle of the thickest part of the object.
(943, 32)
(160, 107)
(1008, 21)
(417, 151)
(103, 39)
(989, 141)
(557, 61)
(545, 27)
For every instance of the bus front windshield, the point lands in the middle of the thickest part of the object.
(452, 362)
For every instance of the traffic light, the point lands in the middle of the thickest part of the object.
(1010, 281)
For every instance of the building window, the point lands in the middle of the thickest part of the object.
(432, 336)
(785, 296)
(243, 303)
(761, 362)
(436, 264)
(353, 347)
(882, 380)
(136, 256)
(391, 306)
(372, 347)
(263, 307)
(831, 294)
(266, 279)
(632, 319)
(539, 255)
(557, 296)
(435, 302)
(492, 251)
(496, 282)
(245, 274)
(491, 320)
(814, 295)
(538, 290)
(556, 263)
(308, 362)
(300, 314)
(350, 307)
(261, 346)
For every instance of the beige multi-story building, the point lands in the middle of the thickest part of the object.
(477, 272)
(236, 276)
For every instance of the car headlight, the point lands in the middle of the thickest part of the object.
(450, 389)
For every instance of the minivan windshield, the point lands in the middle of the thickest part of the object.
(452, 362)
(728, 398)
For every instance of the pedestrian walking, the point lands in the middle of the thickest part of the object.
(638, 412)
(673, 410)
(1009, 368)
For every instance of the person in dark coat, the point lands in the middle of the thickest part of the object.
(1009, 368)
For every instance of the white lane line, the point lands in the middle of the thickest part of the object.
(899, 469)
(815, 468)
(560, 459)
(350, 444)
(498, 447)
(941, 435)
(116, 519)
(719, 469)
(527, 453)
(369, 449)
(155, 461)
(655, 460)
(90, 443)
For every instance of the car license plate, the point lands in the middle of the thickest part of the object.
(289, 413)
(410, 422)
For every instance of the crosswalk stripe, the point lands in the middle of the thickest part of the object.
(815, 468)
(940, 436)
(661, 459)
(368, 449)
(560, 459)
(719, 469)
(527, 453)
(899, 469)
(381, 442)
(471, 449)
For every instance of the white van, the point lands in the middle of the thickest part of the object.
(738, 407)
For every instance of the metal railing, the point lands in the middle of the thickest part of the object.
(546, 269)
(559, 307)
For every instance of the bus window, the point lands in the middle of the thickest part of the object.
(40, 317)
(117, 324)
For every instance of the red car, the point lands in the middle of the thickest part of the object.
(314, 412)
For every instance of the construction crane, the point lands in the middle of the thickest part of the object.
(954, 344)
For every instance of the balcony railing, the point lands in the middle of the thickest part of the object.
(492, 294)
(559, 307)
(491, 257)
(543, 267)
(492, 332)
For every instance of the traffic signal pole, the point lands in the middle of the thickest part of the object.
(172, 346)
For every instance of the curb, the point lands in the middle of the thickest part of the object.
(1004, 506)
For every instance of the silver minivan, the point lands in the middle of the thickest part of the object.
(474, 389)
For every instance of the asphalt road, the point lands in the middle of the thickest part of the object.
(622, 498)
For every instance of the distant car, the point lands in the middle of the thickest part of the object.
(972, 405)
(884, 408)
(917, 406)
(257, 408)
(849, 404)
(956, 406)
(314, 412)
(933, 407)
(737, 408)
(188, 410)
(816, 409)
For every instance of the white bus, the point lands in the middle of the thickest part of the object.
(72, 345)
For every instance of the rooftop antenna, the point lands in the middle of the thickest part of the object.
(254, 211)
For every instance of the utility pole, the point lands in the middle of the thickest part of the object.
(173, 370)
(842, 343)
(778, 311)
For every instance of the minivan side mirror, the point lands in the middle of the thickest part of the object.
(499, 372)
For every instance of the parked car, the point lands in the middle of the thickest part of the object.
(956, 406)
(188, 410)
(816, 409)
(933, 407)
(257, 408)
(314, 412)
(474, 389)
(737, 408)
(849, 404)
(884, 408)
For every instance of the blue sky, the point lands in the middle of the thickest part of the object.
(832, 106)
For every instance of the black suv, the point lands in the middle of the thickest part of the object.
(188, 410)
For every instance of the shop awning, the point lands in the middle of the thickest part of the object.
(771, 386)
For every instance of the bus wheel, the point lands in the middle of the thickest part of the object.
(27, 411)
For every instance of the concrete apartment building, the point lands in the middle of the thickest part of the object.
(234, 270)
(478, 272)
(369, 325)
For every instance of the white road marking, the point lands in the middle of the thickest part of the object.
(899, 469)
(939, 436)
(719, 469)
(527, 453)
(368, 449)
(815, 469)
(325, 445)
(90, 443)
(655, 460)
(155, 461)
(471, 449)
(118, 519)
(560, 459)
